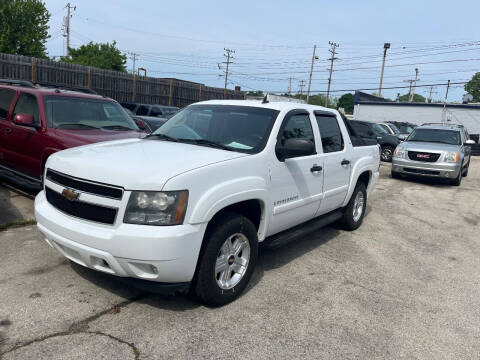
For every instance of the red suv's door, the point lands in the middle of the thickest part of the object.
(25, 143)
(6, 97)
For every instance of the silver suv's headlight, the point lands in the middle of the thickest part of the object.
(156, 208)
(451, 157)
(400, 152)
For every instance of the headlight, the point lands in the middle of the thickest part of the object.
(451, 157)
(400, 152)
(156, 208)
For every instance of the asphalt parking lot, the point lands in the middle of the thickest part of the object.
(406, 285)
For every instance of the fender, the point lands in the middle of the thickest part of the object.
(363, 164)
(231, 192)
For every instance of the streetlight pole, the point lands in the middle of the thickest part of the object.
(386, 46)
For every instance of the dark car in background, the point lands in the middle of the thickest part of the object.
(372, 131)
(37, 121)
(403, 126)
(154, 115)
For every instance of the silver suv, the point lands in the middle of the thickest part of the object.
(434, 150)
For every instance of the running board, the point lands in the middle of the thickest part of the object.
(294, 233)
(22, 181)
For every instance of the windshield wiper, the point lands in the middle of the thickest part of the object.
(116, 127)
(206, 143)
(59, 126)
(161, 136)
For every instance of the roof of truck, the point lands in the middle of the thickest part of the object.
(269, 105)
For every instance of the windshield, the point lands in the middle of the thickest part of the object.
(394, 128)
(451, 137)
(237, 128)
(67, 112)
(379, 129)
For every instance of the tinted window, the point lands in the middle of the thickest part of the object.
(330, 133)
(27, 104)
(6, 97)
(451, 137)
(379, 129)
(239, 128)
(363, 130)
(156, 111)
(297, 126)
(142, 110)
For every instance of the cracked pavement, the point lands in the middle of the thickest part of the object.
(404, 285)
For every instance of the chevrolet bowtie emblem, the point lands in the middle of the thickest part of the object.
(70, 194)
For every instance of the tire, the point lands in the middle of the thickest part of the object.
(458, 180)
(465, 171)
(351, 219)
(219, 288)
(396, 175)
(387, 153)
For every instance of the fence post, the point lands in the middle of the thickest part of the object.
(134, 91)
(200, 93)
(170, 95)
(34, 70)
(89, 77)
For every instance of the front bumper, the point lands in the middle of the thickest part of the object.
(166, 254)
(420, 168)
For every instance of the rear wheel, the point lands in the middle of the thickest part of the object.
(355, 210)
(228, 260)
(387, 153)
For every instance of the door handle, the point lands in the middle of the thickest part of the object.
(7, 130)
(315, 168)
(345, 162)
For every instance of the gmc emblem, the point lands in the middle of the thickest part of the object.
(423, 156)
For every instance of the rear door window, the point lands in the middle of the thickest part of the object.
(27, 104)
(6, 97)
(142, 110)
(330, 133)
(156, 111)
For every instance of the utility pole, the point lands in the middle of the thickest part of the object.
(386, 46)
(332, 59)
(444, 112)
(133, 57)
(229, 56)
(431, 92)
(301, 85)
(311, 71)
(289, 92)
(66, 25)
(412, 90)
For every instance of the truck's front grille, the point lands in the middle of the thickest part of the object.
(81, 209)
(423, 156)
(85, 185)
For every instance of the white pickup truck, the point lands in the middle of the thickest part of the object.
(187, 207)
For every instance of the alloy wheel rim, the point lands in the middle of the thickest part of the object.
(358, 205)
(232, 261)
(386, 154)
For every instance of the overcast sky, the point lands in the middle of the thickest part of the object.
(274, 40)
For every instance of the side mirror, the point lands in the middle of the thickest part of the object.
(293, 148)
(24, 120)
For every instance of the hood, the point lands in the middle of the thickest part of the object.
(72, 138)
(136, 164)
(429, 146)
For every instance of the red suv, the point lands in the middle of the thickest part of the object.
(37, 121)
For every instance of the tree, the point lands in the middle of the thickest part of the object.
(99, 55)
(473, 87)
(416, 98)
(24, 27)
(346, 102)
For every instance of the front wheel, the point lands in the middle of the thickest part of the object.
(355, 210)
(228, 260)
(387, 153)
